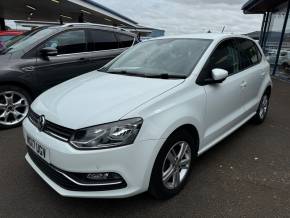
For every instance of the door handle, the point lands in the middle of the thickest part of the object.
(28, 69)
(263, 74)
(84, 59)
(244, 84)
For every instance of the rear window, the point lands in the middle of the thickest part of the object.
(249, 53)
(125, 41)
(101, 40)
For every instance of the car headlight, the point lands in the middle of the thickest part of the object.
(108, 135)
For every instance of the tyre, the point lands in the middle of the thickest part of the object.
(172, 165)
(14, 106)
(262, 110)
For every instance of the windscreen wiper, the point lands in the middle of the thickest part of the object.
(127, 73)
(166, 76)
(161, 76)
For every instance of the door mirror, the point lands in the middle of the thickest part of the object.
(48, 51)
(219, 75)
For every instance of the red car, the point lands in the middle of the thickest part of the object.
(8, 34)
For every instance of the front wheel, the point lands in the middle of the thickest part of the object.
(14, 106)
(172, 166)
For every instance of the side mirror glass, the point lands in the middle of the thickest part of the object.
(219, 75)
(48, 51)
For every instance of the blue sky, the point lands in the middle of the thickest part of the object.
(188, 16)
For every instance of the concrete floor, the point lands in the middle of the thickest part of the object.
(248, 174)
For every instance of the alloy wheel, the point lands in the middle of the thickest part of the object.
(263, 107)
(13, 108)
(176, 165)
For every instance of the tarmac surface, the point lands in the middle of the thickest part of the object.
(247, 174)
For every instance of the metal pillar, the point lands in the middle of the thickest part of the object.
(2, 24)
(81, 18)
(60, 20)
(262, 29)
(282, 37)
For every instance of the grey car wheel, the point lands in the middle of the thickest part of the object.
(14, 106)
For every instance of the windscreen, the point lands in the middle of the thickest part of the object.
(22, 41)
(174, 57)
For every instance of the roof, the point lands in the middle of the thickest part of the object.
(110, 10)
(261, 6)
(212, 36)
(67, 10)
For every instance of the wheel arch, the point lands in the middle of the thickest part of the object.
(20, 85)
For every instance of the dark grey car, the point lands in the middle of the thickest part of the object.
(47, 56)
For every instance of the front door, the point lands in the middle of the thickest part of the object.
(224, 107)
(72, 59)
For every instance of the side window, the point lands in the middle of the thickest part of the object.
(249, 53)
(68, 42)
(224, 57)
(125, 40)
(102, 40)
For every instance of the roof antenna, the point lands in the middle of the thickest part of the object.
(223, 28)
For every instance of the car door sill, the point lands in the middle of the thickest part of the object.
(216, 141)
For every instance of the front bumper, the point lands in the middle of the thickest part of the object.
(133, 162)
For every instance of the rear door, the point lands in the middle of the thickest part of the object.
(224, 107)
(253, 72)
(103, 47)
(72, 59)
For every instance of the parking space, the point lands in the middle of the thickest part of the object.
(247, 174)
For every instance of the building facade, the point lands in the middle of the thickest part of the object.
(275, 33)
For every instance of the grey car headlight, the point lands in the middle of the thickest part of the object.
(108, 135)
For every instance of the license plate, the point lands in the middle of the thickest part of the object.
(39, 149)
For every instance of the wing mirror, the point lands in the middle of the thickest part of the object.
(218, 76)
(48, 51)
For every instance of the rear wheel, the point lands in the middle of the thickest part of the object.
(262, 109)
(172, 166)
(14, 106)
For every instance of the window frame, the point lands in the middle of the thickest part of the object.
(89, 37)
(128, 35)
(256, 48)
(37, 48)
(201, 82)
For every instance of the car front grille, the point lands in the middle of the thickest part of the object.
(50, 128)
(61, 177)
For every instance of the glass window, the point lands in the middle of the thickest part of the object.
(68, 42)
(125, 41)
(249, 54)
(27, 39)
(176, 57)
(102, 40)
(224, 57)
(5, 38)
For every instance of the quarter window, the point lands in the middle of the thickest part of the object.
(68, 42)
(102, 40)
(249, 53)
(125, 41)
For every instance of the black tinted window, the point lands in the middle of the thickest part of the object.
(125, 41)
(102, 40)
(224, 57)
(68, 42)
(249, 53)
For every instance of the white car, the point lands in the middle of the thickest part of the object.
(138, 122)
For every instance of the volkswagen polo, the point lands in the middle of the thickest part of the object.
(138, 123)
